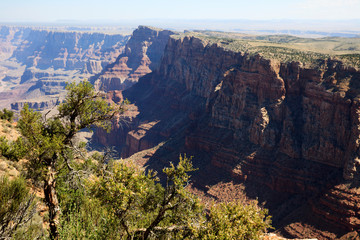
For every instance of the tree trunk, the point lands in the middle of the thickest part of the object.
(52, 202)
(157, 220)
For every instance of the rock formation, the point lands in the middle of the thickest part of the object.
(291, 128)
(141, 56)
(89, 52)
(36, 64)
(288, 131)
(10, 38)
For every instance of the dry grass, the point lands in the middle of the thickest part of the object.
(8, 130)
(8, 167)
(284, 47)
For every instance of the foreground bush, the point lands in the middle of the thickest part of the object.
(123, 202)
(234, 220)
(18, 211)
(7, 115)
(12, 150)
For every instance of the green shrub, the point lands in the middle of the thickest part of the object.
(90, 220)
(7, 115)
(17, 210)
(14, 150)
(124, 202)
(234, 220)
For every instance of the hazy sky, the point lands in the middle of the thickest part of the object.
(83, 10)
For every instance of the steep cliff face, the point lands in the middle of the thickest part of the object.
(36, 64)
(10, 38)
(142, 55)
(301, 112)
(69, 50)
(288, 126)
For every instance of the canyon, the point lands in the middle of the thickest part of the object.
(142, 55)
(37, 63)
(285, 131)
(262, 118)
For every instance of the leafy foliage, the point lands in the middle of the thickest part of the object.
(17, 210)
(90, 197)
(137, 206)
(7, 115)
(90, 220)
(51, 149)
(14, 150)
(83, 107)
(139, 203)
(234, 220)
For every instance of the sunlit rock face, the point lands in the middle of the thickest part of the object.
(141, 56)
(293, 129)
(35, 64)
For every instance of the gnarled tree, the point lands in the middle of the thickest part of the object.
(50, 140)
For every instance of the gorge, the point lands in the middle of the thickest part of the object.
(287, 130)
(262, 118)
(36, 63)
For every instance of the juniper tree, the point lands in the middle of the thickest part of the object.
(50, 140)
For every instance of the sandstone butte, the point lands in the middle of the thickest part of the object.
(287, 132)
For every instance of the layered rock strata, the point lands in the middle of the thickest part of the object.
(36, 64)
(290, 126)
(142, 54)
(88, 52)
(10, 39)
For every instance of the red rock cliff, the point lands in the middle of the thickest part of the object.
(289, 126)
(302, 112)
(142, 54)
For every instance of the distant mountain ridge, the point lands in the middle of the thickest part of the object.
(51, 59)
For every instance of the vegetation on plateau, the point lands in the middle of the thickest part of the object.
(285, 48)
(91, 196)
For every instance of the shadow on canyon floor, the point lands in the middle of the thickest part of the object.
(292, 213)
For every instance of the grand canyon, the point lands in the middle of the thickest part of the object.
(273, 118)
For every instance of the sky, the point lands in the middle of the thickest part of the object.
(117, 10)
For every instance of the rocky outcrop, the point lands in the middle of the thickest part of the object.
(288, 126)
(141, 56)
(136, 140)
(37, 63)
(340, 205)
(89, 52)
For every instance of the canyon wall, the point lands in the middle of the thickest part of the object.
(289, 131)
(10, 38)
(291, 127)
(36, 64)
(88, 52)
(301, 112)
(142, 55)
